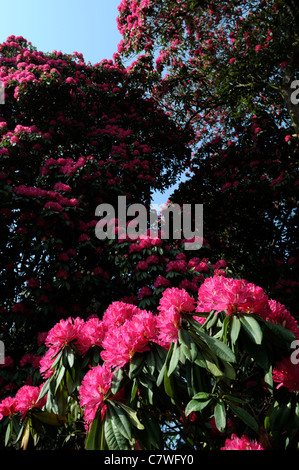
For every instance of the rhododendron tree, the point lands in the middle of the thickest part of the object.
(225, 71)
(73, 136)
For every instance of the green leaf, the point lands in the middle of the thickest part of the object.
(150, 362)
(188, 347)
(252, 328)
(175, 357)
(51, 419)
(8, 432)
(245, 417)
(71, 357)
(115, 440)
(201, 396)
(164, 367)
(218, 347)
(196, 405)
(59, 377)
(136, 365)
(269, 379)
(220, 415)
(279, 331)
(132, 414)
(153, 432)
(235, 327)
(120, 418)
(168, 384)
(93, 441)
(117, 381)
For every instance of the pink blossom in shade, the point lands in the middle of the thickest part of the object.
(177, 265)
(27, 398)
(220, 293)
(53, 206)
(241, 443)
(286, 374)
(8, 407)
(281, 316)
(30, 359)
(142, 266)
(144, 292)
(62, 187)
(287, 138)
(162, 282)
(32, 283)
(64, 332)
(8, 362)
(94, 388)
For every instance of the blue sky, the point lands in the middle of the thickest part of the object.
(87, 27)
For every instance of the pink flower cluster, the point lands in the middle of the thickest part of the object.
(286, 374)
(94, 388)
(25, 400)
(126, 329)
(82, 335)
(241, 443)
(220, 293)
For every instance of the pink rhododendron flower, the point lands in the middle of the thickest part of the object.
(94, 389)
(46, 362)
(64, 333)
(220, 293)
(172, 304)
(178, 299)
(27, 398)
(168, 323)
(241, 443)
(118, 312)
(8, 407)
(281, 316)
(286, 374)
(162, 282)
(92, 333)
(120, 344)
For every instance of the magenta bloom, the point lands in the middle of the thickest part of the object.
(27, 399)
(281, 316)
(46, 362)
(8, 407)
(177, 298)
(121, 344)
(220, 293)
(94, 389)
(64, 333)
(172, 304)
(241, 443)
(118, 312)
(131, 331)
(168, 323)
(92, 333)
(287, 375)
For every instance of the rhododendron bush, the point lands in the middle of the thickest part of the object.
(194, 371)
